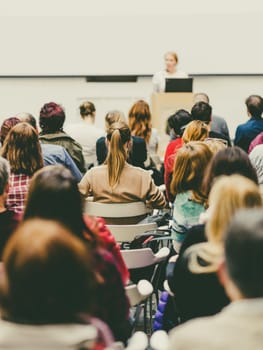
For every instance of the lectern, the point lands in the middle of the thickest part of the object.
(164, 105)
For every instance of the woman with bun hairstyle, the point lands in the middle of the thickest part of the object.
(120, 182)
(86, 133)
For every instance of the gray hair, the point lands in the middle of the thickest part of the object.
(4, 174)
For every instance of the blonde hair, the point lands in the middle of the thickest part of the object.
(195, 131)
(118, 135)
(189, 167)
(140, 120)
(114, 116)
(173, 54)
(228, 194)
(215, 145)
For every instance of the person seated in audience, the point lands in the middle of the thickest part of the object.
(218, 124)
(189, 168)
(53, 194)
(48, 288)
(6, 126)
(51, 121)
(195, 269)
(22, 149)
(140, 123)
(256, 158)
(86, 132)
(120, 182)
(245, 133)
(177, 123)
(258, 140)
(138, 152)
(194, 131)
(239, 325)
(9, 219)
(228, 161)
(52, 154)
(203, 111)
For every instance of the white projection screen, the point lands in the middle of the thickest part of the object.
(207, 42)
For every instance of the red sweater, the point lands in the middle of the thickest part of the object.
(169, 157)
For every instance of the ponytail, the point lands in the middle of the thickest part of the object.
(118, 135)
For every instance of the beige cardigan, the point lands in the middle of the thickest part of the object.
(135, 185)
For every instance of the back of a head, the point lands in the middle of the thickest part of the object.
(201, 97)
(202, 111)
(87, 109)
(254, 105)
(7, 126)
(228, 194)
(49, 275)
(228, 161)
(27, 118)
(244, 252)
(53, 194)
(189, 167)
(195, 131)
(118, 136)
(4, 174)
(51, 118)
(178, 121)
(114, 116)
(22, 149)
(139, 118)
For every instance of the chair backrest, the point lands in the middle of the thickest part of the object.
(115, 210)
(127, 233)
(137, 293)
(139, 258)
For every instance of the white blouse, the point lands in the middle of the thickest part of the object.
(159, 79)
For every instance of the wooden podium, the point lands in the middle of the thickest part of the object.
(163, 105)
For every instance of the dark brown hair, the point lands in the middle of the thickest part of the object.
(22, 149)
(87, 109)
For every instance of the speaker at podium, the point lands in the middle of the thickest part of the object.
(178, 95)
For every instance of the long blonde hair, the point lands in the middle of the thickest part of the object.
(118, 135)
(140, 120)
(228, 194)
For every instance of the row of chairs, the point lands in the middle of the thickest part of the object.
(140, 294)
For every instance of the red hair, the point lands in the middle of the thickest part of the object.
(52, 117)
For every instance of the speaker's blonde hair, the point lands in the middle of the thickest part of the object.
(118, 135)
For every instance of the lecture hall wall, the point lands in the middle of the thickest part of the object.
(23, 53)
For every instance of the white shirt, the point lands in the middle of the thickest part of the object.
(159, 79)
(86, 134)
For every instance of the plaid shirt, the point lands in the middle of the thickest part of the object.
(19, 184)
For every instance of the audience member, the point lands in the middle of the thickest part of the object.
(86, 132)
(120, 182)
(203, 111)
(218, 124)
(194, 131)
(195, 269)
(229, 161)
(48, 290)
(258, 140)
(140, 123)
(189, 167)
(245, 133)
(53, 194)
(138, 152)
(51, 120)
(256, 158)
(8, 218)
(6, 126)
(22, 149)
(238, 326)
